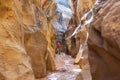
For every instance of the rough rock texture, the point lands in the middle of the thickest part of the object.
(14, 61)
(104, 43)
(36, 48)
(79, 7)
(26, 38)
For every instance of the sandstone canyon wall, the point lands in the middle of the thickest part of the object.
(27, 38)
(104, 43)
(79, 8)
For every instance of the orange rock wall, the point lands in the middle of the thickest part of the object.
(27, 39)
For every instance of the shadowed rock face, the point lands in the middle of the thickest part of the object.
(27, 38)
(79, 8)
(104, 43)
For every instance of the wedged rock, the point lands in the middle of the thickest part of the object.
(104, 43)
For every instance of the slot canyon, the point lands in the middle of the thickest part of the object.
(59, 39)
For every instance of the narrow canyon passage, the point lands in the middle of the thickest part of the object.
(87, 31)
(66, 69)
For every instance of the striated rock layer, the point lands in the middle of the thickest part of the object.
(27, 39)
(79, 8)
(104, 43)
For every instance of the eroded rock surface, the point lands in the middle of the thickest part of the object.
(27, 39)
(104, 43)
(79, 8)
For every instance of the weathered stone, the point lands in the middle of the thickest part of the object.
(79, 8)
(25, 26)
(14, 61)
(104, 43)
(50, 64)
(36, 47)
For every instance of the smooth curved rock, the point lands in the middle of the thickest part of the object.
(36, 47)
(104, 43)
